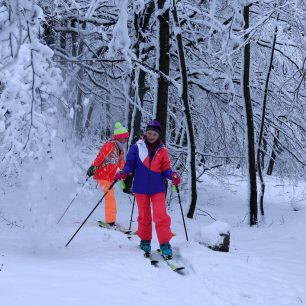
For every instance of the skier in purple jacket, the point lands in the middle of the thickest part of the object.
(149, 160)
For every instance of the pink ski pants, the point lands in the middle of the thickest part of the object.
(160, 217)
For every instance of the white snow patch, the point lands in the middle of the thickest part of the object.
(53, 134)
(138, 6)
(71, 113)
(86, 101)
(2, 126)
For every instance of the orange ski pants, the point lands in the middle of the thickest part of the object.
(110, 201)
(160, 217)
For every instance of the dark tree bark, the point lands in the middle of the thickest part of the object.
(88, 117)
(249, 122)
(138, 115)
(141, 23)
(273, 154)
(77, 50)
(63, 36)
(163, 65)
(264, 150)
(263, 115)
(135, 115)
(49, 33)
(187, 112)
(131, 108)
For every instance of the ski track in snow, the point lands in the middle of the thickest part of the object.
(266, 265)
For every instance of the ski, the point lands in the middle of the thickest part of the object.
(152, 259)
(115, 228)
(172, 263)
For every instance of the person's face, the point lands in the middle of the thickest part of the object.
(151, 136)
(122, 140)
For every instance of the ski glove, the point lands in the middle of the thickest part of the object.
(120, 176)
(91, 171)
(175, 178)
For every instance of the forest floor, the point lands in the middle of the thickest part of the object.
(266, 265)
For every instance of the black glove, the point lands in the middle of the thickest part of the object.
(91, 171)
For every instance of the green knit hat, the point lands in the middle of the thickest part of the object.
(120, 131)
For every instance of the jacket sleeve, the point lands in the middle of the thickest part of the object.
(106, 149)
(121, 162)
(166, 167)
(131, 159)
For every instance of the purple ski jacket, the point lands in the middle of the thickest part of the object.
(150, 169)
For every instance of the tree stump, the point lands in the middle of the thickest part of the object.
(224, 245)
(215, 236)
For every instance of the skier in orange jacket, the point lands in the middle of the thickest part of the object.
(105, 166)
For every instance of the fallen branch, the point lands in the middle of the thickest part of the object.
(9, 223)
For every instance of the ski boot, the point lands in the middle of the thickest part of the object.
(145, 245)
(166, 250)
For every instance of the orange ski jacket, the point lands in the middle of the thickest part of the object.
(108, 160)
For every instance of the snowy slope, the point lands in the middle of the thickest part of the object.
(265, 266)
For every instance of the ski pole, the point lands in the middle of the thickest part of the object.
(109, 188)
(72, 201)
(178, 193)
(132, 212)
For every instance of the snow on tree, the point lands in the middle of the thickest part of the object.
(121, 41)
(31, 86)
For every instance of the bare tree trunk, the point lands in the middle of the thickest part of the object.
(163, 65)
(189, 130)
(88, 117)
(273, 154)
(249, 122)
(263, 115)
(264, 150)
(141, 23)
(135, 115)
(141, 93)
(48, 35)
(63, 44)
(77, 49)
(131, 108)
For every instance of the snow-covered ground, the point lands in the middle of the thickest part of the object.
(266, 265)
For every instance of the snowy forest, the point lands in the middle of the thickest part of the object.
(226, 80)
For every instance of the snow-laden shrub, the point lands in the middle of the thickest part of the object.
(30, 87)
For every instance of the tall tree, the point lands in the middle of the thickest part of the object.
(262, 125)
(162, 64)
(249, 119)
(142, 47)
(185, 97)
